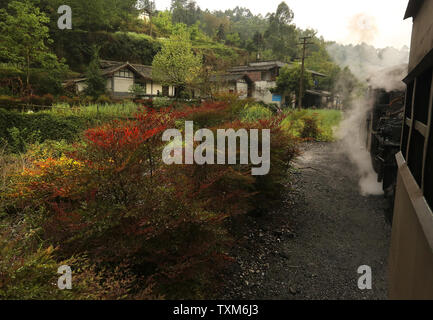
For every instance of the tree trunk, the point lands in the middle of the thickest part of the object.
(28, 71)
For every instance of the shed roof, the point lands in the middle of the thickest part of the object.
(315, 73)
(319, 93)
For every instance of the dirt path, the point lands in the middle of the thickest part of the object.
(312, 248)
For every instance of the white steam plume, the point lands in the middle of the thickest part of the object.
(353, 137)
(382, 69)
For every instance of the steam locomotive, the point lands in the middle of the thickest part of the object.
(384, 127)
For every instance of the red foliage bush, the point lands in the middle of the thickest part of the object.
(113, 200)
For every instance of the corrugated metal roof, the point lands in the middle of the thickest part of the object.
(413, 8)
(316, 73)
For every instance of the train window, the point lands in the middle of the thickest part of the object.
(416, 155)
(404, 140)
(428, 178)
(409, 95)
(422, 95)
(428, 171)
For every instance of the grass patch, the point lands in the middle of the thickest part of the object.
(327, 121)
(116, 110)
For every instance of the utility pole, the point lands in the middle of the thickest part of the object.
(304, 44)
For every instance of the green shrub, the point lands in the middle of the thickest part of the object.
(28, 271)
(87, 100)
(293, 123)
(103, 99)
(311, 127)
(74, 102)
(47, 81)
(8, 102)
(20, 139)
(18, 129)
(313, 124)
(329, 120)
(254, 113)
(28, 274)
(162, 102)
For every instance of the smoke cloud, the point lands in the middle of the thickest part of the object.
(366, 61)
(380, 69)
(362, 28)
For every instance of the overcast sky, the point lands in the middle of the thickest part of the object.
(377, 22)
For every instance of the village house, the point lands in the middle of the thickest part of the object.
(257, 79)
(121, 77)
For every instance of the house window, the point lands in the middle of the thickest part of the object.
(165, 91)
(124, 73)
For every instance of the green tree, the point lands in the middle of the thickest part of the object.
(221, 33)
(185, 11)
(176, 64)
(163, 23)
(233, 39)
(320, 61)
(96, 83)
(99, 15)
(24, 36)
(288, 82)
(148, 8)
(281, 35)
